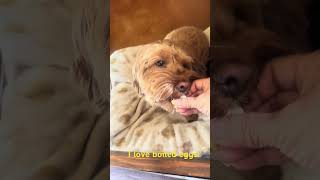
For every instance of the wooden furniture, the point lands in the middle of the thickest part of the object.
(197, 167)
(136, 22)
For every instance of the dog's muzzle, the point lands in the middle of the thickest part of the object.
(183, 87)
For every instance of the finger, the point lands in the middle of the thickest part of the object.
(182, 110)
(190, 110)
(200, 84)
(188, 102)
(197, 93)
(194, 94)
(264, 157)
(195, 86)
(187, 112)
(266, 87)
(278, 102)
(278, 75)
(247, 131)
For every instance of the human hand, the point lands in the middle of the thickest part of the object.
(198, 100)
(285, 121)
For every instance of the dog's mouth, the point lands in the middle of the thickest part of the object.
(232, 85)
(176, 93)
(174, 88)
(170, 98)
(182, 88)
(177, 90)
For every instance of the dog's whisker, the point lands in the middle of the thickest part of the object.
(165, 88)
(160, 94)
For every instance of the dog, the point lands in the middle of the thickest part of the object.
(237, 66)
(164, 70)
(236, 69)
(248, 35)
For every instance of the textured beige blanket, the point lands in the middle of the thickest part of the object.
(53, 122)
(136, 126)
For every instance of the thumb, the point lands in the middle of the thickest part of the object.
(247, 131)
(188, 102)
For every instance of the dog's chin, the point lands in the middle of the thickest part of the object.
(224, 105)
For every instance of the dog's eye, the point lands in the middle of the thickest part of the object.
(160, 63)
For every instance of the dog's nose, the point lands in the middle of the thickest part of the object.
(233, 79)
(230, 86)
(182, 87)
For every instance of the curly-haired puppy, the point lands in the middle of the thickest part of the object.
(164, 70)
(248, 35)
(237, 66)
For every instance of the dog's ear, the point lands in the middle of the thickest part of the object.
(136, 86)
(167, 42)
(135, 82)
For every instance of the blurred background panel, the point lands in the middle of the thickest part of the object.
(135, 22)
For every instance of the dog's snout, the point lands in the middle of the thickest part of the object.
(231, 86)
(182, 87)
(232, 79)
